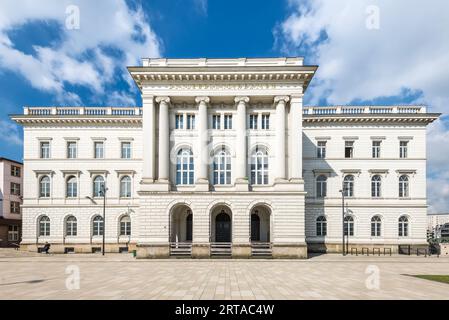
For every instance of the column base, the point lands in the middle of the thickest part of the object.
(290, 251)
(241, 184)
(296, 185)
(241, 251)
(201, 250)
(153, 251)
(202, 185)
(147, 181)
(156, 186)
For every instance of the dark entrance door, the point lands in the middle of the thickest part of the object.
(223, 227)
(255, 227)
(189, 227)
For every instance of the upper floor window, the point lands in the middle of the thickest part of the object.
(71, 150)
(403, 226)
(15, 171)
(349, 149)
(265, 121)
(321, 186)
(44, 226)
(125, 226)
(376, 149)
(403, 149)
(253, 119)
(321, 150)
(125, 187)
(376, 224)
(349, 226)
(179, 121)
(98, 186)
(376, 186)
(403, 186)
(126, 150)
(222, 167)
(321, 226)
(71, 226)
(15, 189)
(259, 167)
(14, 207)
(228, 121)
(348, 186)
(216, 121)
(44, 187)
(45, 150)
(99, 150)
(190, 121)
(184, 167)
(72, 187)
(97, 226)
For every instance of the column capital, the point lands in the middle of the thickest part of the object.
(163, 99)
(241, 99)
(202, 99)
(283, 99)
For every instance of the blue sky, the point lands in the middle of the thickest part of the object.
(369, 52)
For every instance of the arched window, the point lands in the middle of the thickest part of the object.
(44, 226)
(376, 182)
(403, 226)
(98, 186)
(44, 187)
(321, 226)
(184, 167)
(71, 226)
(98, 226)
(349, 226)
(222, 167)
(321, 186)
(125, 187)
(72, 187)
(125, 226)
(403, 186)
(259, 167)
(376, 225)
(348, 186)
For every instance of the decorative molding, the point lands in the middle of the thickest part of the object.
(163, 99)
(71, 138)
(405, 138)
(376, 138)
(241, 99)
(202, 100)
(98, 172)
(322, 138)
(44, 172)
(350, 138)
(284, 99)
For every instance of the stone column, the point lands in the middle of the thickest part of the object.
(164, 140)
(296, 138)
(280, 102)
(148, 124)
(202, 181)
(241, 142)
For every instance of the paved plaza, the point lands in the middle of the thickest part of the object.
(120, 276)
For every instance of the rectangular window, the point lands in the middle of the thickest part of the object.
(13, 233)
(45, 150)
(99, 150)
(179, 123)
(349, 149)
(265, 121)
(71, 150)
(321, 150)
(253, 118)
(228, 121)
(216, 122)
(190, 121)
(15, 189)
(376, 149)
(126, 150)
(15, 171)
(14, 207)
(403, 149)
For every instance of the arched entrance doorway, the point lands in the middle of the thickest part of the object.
(221, 224)
(255, 227)
(260, 224)
(181, 224)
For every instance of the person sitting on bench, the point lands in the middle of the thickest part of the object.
(46, 247)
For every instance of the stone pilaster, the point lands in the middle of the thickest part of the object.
(202, 181)
(241, 180)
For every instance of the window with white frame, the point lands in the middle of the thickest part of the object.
(125, 187)
(216, 121)
(13, 233)
(72, 187)
(265, 121)
(348, 185)
(349, 226)
(403, 226)
(321, 226)
(403, 186)
(222, 167)
(184, 167)
(259, 167)
(45, 149)
(190, 122)
(98, 186)
(376, 186)
(44, 226)
(179, 121)
(321, 186)
(71, 150)
(228, 121)
(71, 226)
(44, 187)
(14, 207)
(125, 226)
(321, 149)
(253, 119)
(376, 224)
(97, 226)
(376, 149)
(126, 150)
(403, 149)
(15, 189)
(349, 149)
(99, 149)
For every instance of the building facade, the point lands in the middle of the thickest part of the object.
(438, 225)
(10, 202)
(223, 159)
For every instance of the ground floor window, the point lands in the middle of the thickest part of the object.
(13, 233)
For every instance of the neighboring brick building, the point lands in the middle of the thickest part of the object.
(10, 202)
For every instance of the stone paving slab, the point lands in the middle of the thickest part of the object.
(120, 276)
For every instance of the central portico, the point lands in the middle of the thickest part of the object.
(222, 157)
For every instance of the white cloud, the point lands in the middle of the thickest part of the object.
(103, 24)
(201, 6)
(408, 51)
(9, 133)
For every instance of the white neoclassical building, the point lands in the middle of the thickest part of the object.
(223, 159)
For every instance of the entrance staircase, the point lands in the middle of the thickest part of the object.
(261, 250)
(181, 249)
(221, 249)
